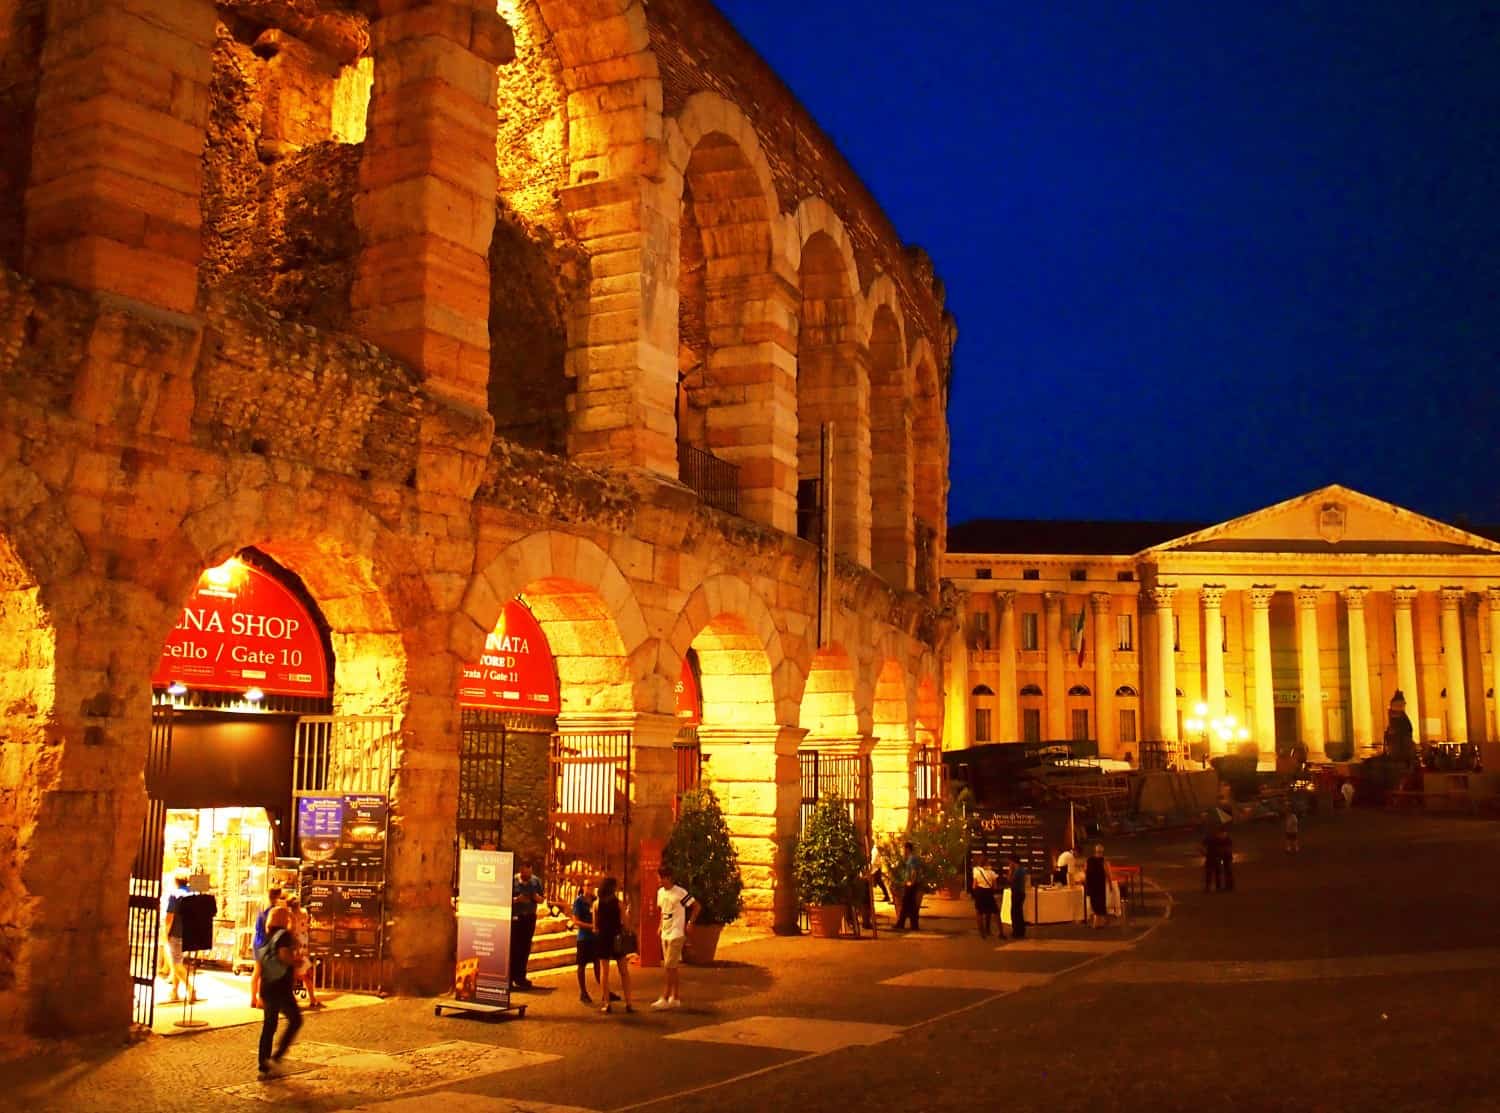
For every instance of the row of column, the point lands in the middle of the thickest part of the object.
(1310, 679)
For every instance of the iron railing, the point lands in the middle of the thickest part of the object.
(716, 481)
(688, 752)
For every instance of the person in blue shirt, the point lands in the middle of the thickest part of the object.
(525, 897)
(273, 900)
(172, 929)
(911, 897)
(1017, 879)
(583, 920)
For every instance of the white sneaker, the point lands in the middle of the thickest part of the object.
(674, 1003)
(661, 1003)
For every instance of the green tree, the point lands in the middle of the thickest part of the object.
(828, 862)
(702, 857)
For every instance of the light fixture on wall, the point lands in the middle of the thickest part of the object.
(177, 688)
(254, 695)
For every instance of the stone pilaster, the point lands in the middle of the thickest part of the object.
(1056, 726)
(1453, 663)
(893, 785)
(1212, 596)
(1492, 599)
(117, 167)
(1166, 662)
(754, 771)
(1402, 599)
(1106, 729)
(1007, 690)
(1361, 722)
(1265, 691)
(1310, 669)
(426, 203)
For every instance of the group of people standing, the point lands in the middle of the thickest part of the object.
(601, 917)
(987, 885)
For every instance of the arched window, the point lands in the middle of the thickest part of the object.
(1031, 717)
(984, 710)
(982, 690)
(1079, 690)
(1179, 693)
(1127, 691)
(1031, 690)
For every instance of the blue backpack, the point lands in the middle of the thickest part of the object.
(272, 969)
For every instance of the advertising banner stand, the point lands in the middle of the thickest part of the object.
(481, 973)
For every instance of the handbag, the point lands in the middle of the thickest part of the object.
(626, 943)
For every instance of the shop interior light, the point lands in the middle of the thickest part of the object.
(177, 688)
(255, 695)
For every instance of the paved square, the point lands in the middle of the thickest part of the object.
(1079, 946)
(454, 1101)
(317, 1071)
(789, 1033)
(999, 981)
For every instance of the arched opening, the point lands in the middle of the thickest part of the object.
(828, 702)
(930, 475)
(288, 105)
(726, 444)
(1031, 706)
(982, 709)
(833, 388)
(890, 453)
(1127, 710)
(1081, 727)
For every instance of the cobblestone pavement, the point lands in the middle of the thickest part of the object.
(1361, 973)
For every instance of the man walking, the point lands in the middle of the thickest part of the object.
(678, 909)
(276, 962)
(1017, 898)
(525, 897)
(911, 897)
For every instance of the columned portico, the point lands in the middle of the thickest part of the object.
(1166, 661)
(1106, 730)
(1007, 694)
(1453, 663)
(1056, 652)
(1311, 673)
(1260, 641)
(1402, 599)
(1492, 596)
(1359, 672)
(1213, 647)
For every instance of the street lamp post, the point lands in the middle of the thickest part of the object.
(1225, 728)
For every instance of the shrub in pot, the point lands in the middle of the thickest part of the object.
(828, 864)
(703, 861)
(941, 841)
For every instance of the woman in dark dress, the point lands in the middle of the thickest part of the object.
(985, 908)
(1096, 887)
(608, 921)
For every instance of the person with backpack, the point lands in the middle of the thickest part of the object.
(277, 961)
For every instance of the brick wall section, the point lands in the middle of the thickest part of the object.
(21, 23)
(698, 49)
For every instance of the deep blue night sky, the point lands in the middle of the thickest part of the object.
(1203, 257)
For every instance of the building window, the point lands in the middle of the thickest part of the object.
(1124, 633)
(981, 630)
(1029, 635)
(1125, 577)
(1080, 724)
(1078, 574)
(1031, 573)
(1127, 724)
(1031, 724)
(1125, 691)
(981, 724)
(1176, 633)
(982, 573)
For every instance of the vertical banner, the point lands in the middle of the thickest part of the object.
(482, 971)
(650, 915)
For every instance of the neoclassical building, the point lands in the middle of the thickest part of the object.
(1294, 624)
(419, 310)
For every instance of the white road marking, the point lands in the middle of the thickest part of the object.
(787, 1033)
(996, 981)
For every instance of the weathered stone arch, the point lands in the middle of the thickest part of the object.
(816, 215)
(605, 654)
(830, 704)
(891, 444)
(893, 699)
(735, 337)
(729, 625)
(833, 376)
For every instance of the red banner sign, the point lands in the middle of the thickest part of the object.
(516, 672)
(244, 629)
(689, 702)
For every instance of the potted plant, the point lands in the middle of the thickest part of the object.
(828, 865)
(703, 861)
(941, 841)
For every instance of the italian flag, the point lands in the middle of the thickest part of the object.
(1080, 632)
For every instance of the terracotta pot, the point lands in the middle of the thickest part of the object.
(827, 920)
(702, 943)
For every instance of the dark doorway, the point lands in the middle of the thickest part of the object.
(1288, 729)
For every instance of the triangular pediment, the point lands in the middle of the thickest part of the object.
(1332, 519)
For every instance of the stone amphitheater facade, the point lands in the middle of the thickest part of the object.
(427, 301)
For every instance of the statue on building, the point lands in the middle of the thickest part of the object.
(1400, 740)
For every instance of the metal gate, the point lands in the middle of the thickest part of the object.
(688, 752)
(344, 755)
(847, 775)
(588, 830)
(502, 768)
(929, 780)
(145, 873)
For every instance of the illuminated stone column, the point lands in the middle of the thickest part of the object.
(1492, 597)
(1359, 672)
(753, 769)
(1106, 730)
(1213, 649)
(117, 164)
(1008, 691)
(893, 785)
(1406, 657)
(1057, 650)
(1166, 662)
(1453, 663)
(1311, 671)
(1265, 692)
(653, 776)
(426, 203)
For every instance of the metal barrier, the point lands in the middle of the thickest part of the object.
(716, 481)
